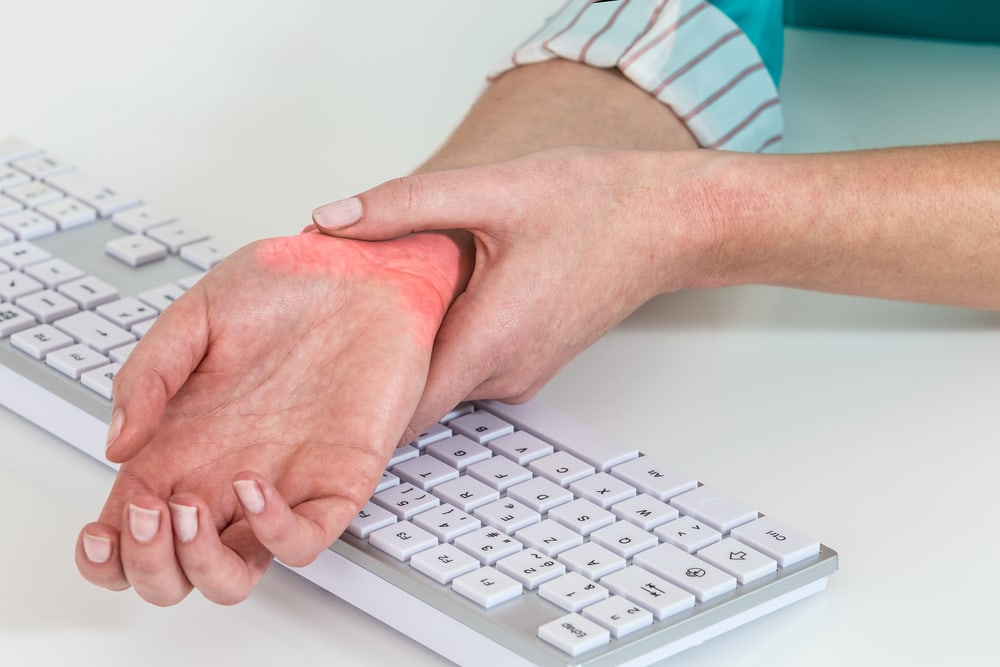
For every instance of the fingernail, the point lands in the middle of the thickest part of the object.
(185, 520)
(96, 548)
(338, 214)
(115, 429)
(250, 495)
(143, 523)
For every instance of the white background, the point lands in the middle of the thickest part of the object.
(872, 425)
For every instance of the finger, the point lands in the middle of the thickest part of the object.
(224, 572)
(297, 536)
(153, 373)
(147, 552)
(479, 198)
(97, 557)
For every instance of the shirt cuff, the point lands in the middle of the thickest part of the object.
(686, 53)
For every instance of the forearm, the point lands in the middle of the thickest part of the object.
(919, 224)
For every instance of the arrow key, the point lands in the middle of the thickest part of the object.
(743, 562)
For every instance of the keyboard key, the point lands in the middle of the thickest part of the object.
(94, 331)
(714, 508)
(101, 379)
(175, 235)
(540, 494)
(498, 472)
(645, 511)
(9, 177)
(47, 305)
(15, 284)
(28, 225)
(488, 544)
(8, 205)
(33, 193)
(135, 250)
(521, 447)
(561, 468)
(572, 591)
(433, 434)
(40, 340)
(400, 454)
(649, 591)
(654, 478)
(480, 426)
(689, 572)
(405, 500)
(387, 481)
(75, 360)
(68, 212)
(624, 538)
(508, 515)
(487, 587)
(458, 451)
(743, 562)
(602, 489)
(582, 516)
(161, 297)
(466, 493)
(402, 540)
(574, 635)
(425, 471)
(126, 312)
(13, 319)
(20, 254)
(204, 254)
(619, 615)
(443, 563)
(120, 354)
(140, 218)
(106, 200)
(591, 560)
(563, 431)
(53, 272)
(89, 292)
(42, 164)
(688, 534)
(784, 544)
(549, 537)
(531, 567)
(370, 518)
(447, 522)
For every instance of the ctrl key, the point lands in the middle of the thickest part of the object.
(574, 634)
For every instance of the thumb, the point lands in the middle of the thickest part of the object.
(153, 373)
(475, 199)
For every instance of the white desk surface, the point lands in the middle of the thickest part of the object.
(872, 425)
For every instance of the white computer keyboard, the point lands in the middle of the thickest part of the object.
(505, 535)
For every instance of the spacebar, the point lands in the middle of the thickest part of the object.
(563, 431)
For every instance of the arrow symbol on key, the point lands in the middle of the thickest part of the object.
(737, 555)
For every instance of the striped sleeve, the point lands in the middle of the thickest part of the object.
(687, 53)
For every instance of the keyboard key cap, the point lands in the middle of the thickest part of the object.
(688, 534)
(447, 522)
(488, 544)
(521, 447)
(33, 193)
(591, 560)
(458, 451)
(549, 537)
(624, 538)
(498, 472)
(28, 225)
(785, 545)
(42, 164)
(466, 493)
(645, 511)
(135, 250)
(94, 331)
(161, 297)
(370, 518)
(402, 540)
(89, 292)
(654, 478)
(649, 591)
(15, 284)
(20, 254)
(40, 340)
(563, 431)
(175, 235)
(574, 635)
(743, 562)
(91, 192)
(140, 218)
(602, 489)
(405, 500)
(582, 516)
(508, 515)
(443, 563)
(487, 587)
(47, 305)
(531, 567)
(561, 468)
(53, 272)
(204, 254)
(714, 508)
(540, 494)
(75, 360)
(126, 312)
(9, 177)
(400, 454)
(425, 471)
(68, 213)
(480, 426)
(619, 615)
(572, 591)
(101, 379)
(13, 319)
(689, 572)
(431, 435)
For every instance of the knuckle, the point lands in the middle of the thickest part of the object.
(405, 193)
